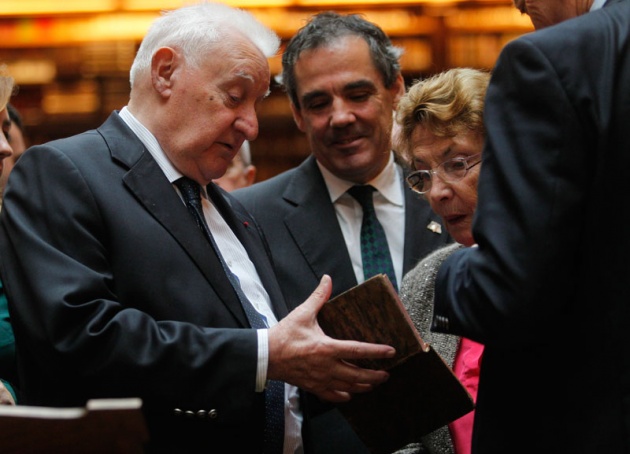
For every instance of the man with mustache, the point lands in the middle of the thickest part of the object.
(343, 79)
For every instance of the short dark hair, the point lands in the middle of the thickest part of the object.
(327, 27)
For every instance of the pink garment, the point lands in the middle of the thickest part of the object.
(466, 368)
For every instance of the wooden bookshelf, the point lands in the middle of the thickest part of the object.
(72, 65)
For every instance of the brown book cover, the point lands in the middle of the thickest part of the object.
(104, 426)
(422, 393)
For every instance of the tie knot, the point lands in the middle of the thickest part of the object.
(190, 190)
(363, 195)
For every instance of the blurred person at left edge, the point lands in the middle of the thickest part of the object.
(7, 341)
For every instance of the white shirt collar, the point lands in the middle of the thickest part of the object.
(151, 143)
(387, 183)
(597, 4)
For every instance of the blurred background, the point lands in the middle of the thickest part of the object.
(71, 58)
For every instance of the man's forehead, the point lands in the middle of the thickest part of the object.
(253, 78)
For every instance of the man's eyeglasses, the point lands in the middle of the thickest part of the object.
(449, 171)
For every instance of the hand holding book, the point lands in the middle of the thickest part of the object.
(421, 394)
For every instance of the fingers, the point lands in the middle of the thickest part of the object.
(334, 396)
(338, 380)
(351, 378)
(360, 350)
(342, 391)
(320, 295)
(301, 354)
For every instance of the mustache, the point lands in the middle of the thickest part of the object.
(344, 135)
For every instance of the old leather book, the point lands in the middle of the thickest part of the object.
(422, 393)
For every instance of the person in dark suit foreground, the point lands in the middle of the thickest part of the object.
(546, 289)
(121, 282)
(342, 76)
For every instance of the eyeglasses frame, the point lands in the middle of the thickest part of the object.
(435, 171)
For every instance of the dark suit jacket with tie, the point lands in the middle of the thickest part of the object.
(299, 221)
(547, 289)
(301, 227)
(115, 292)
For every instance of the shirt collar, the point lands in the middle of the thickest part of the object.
(153, 146)
(597, 4)
(151, 143)
(387, 183)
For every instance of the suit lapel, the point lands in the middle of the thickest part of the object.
(413, 215)
(313, 225)
(246, 231)
(151, 188)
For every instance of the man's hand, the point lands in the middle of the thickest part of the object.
(302, 355)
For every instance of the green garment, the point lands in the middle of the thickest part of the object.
(7, 344)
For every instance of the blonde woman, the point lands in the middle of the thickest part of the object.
(441, 133)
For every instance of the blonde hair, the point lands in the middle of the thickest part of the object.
(6, 86)
(446, 104)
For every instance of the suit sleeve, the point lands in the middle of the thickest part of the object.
(57, 260)
(533, 184)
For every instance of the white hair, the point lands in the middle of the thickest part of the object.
(195, 29)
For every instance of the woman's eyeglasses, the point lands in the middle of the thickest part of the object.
(449, 171)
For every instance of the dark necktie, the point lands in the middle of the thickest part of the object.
(374, 249)
(274, 392)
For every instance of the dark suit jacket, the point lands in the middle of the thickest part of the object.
(299, 221)
(547, 289)
(301, 227)
(115, 292)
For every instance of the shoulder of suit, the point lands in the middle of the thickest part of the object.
(298, 180)
(428, 266)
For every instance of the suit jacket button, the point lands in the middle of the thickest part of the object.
(441, 322)
(178, 412)
(189, 414)
(212, 414)
(201, 414)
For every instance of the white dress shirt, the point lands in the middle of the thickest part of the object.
(237, 259)
(389, 205)
(597, 4)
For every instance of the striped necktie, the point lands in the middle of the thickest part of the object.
(274, 392)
